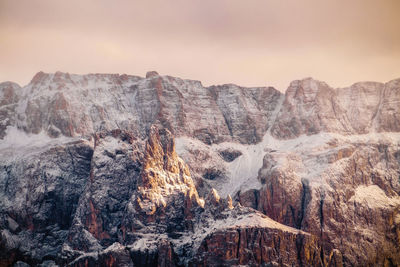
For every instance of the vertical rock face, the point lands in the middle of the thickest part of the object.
(119, 170)
(8, 102)
(388, 113)
(115, 167)
(39, 196)
(350, 204)
(256, 246)
(310, 107)
(362, 102)
(242, 236)
(247, 111)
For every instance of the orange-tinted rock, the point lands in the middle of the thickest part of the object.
(256, 247)
(163, 186)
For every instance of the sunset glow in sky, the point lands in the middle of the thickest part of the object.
(250, 43)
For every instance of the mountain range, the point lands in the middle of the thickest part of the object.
(121, 170)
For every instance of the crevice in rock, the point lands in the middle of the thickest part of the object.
(256, 198)
(299, 247)
(322, 257)
(228, 124)
(305, 199)
(293, 213)
(321, 210)
(238, 246)
(321, 223)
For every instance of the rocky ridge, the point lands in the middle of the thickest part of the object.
(98, 179)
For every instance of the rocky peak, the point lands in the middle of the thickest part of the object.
(9, 93)
(50, 81)
(60, 77)
(305, 90)
(213, 197)
(215, 205)
(160, 156)
(395, 83)
(119, 134)
(151, 74)
(38, 77)
(164, 185)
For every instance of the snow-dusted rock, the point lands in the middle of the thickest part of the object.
(123, 170)
(40, 189)
(75, 105)
(347, 192)
(116, 163)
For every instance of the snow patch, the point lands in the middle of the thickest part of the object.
(116, 246)
(242, 173)
(374, 197)
(18, 143)
(258, 220)
(17, 138)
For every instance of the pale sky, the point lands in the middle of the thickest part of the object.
(246, 42)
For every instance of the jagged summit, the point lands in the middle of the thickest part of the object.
(151, 74)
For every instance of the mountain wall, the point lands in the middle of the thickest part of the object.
(120, 170)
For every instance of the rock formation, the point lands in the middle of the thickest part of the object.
(120, 170)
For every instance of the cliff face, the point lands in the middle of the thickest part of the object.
(255, 246)
(311, 107)
(40, 189)
(350, 202)
(75, 105)
(112, 170)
